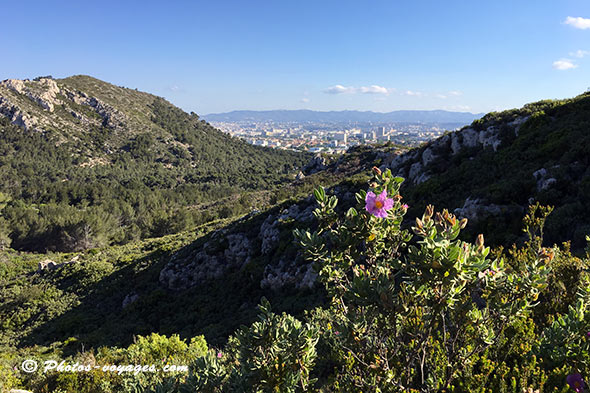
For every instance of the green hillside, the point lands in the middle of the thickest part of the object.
(541, 154)
(84, 163)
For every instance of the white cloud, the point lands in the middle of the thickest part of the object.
(373, 89)
(339, 89)
(413, 93)
(455, 93)
(564, 64)
(304, 100)
(441, 96)
(578, 23)
(580, 53)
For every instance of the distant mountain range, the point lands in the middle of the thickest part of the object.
(301, 116)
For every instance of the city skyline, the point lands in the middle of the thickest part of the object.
(382, 56)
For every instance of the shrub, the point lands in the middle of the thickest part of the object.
(412, 314)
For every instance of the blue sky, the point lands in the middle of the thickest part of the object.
(218, 56)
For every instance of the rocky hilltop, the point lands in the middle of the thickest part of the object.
(45, 104)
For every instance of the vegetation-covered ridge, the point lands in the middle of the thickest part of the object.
(84, 163)
(492, 170)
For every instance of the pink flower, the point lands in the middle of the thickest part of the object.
(405, 206)
(219, 355)
(337, 333)
(378, 205)
(576, 382)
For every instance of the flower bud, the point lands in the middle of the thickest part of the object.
(429, 211)
(418, 223)
(377, 171)
(479, 242)
(463, 223)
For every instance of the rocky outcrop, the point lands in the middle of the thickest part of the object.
(211, 261)
(269, 235)
(232, 250)
(15, 115)
(300, 176)
(48, 264)
(48, 95)
(42, 91)
(475, 210)
(287, 272)
(316, 164)
(416, 164)
(544, 181)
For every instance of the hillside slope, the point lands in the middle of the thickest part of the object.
(84, 163)
(490, 171)
(204, 281)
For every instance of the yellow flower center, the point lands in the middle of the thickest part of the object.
(577, 384)
(378, 204)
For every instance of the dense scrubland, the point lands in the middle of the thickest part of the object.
(407, 296)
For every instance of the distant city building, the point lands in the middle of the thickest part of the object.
(328, 137)
(341, 137)
(370, 136)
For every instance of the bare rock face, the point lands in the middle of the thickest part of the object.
(489, 138)
(48, 95)
(15, 115)
(217, 256)
(476, 209)
(456, 145)
(427, 156)
(48, 264)
(42, 91)
(269, 234)
(316, 164)
(301, 276)
(225, 252)
(516, 124)
(544, 182)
